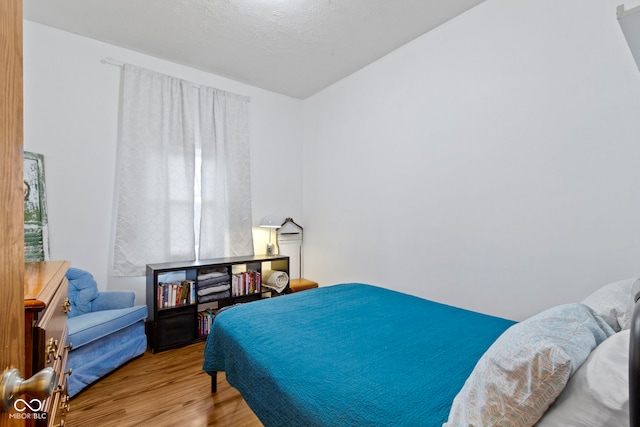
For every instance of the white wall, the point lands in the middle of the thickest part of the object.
(491, 164)
(71, 116)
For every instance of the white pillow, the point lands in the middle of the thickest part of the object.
(598, 393)
(527, 367)
(614, 302)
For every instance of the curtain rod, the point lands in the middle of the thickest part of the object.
(111, 61)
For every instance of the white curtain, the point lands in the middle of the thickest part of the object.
(225, 227)
(156, 164)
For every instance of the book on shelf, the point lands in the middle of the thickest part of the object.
(246, 283)
(176, 294)
(205, 320)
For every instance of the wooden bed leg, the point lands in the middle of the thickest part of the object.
(214, 382)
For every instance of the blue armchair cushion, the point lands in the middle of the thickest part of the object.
(83, 289)
(93, 326)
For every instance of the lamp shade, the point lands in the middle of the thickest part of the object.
(271, 221)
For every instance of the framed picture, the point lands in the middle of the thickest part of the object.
(36, 229)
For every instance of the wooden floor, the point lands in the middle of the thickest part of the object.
(163, 389)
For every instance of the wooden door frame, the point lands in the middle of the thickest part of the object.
(11, 193)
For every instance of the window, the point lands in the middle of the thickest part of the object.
(183, 173)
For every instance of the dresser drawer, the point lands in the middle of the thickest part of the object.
(50, 331)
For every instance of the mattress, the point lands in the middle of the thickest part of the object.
(350, 354)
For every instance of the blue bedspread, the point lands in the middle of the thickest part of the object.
(349, 355)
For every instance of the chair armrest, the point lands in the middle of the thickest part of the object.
(111, 300)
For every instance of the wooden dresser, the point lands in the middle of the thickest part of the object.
(45, 312)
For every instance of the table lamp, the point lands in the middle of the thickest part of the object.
(271, 222)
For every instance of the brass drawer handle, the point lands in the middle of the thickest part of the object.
(51, 350)
(65, 405)
(66, 305)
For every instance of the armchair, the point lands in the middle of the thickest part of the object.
(106, 330)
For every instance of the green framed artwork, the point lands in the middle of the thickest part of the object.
(36, 228)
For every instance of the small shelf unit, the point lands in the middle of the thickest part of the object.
(182, 307)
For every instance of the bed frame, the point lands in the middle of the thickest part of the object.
(634, 366)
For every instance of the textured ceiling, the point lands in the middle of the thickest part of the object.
(294, 47)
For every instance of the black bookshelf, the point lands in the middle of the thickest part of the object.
(178, 316)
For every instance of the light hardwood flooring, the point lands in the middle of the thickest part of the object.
(164, 389)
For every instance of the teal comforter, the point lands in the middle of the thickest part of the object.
(349, 355)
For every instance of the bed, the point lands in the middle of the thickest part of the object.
(361, 355)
